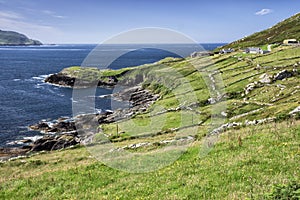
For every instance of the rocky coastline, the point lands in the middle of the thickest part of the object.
(67, 132)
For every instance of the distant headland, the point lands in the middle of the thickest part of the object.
(11, 38)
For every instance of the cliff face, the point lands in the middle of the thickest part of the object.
(14, 38)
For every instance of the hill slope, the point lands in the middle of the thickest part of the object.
(230, 171)
(287, 29)
(14, 38)
(246, 162)
(258, 150)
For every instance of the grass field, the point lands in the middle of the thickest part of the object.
(267, 155)
(247, 162)
(184, 83)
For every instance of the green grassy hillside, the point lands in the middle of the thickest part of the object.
(287, 29)
(267, 159)
(248, 161)
(189, 86)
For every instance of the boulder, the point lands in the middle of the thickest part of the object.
(41, 126)
(296, 110)
(63, 126)
(211, 101)
(250, 87)
(265, 78)
(283, 75)
(43, 144)
(50, 143)
(65, 141)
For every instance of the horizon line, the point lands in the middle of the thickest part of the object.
(133, 43)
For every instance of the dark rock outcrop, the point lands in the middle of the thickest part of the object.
(60, 79)
(112, 81)
(41, 126)
(63, 126)
(67, 81)
(137, 96)
(58, 127)
(64, 135)
(55, 142)
(283, 75)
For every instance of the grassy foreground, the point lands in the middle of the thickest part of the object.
(235, 168)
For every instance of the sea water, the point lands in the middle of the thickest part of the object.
(25, 98)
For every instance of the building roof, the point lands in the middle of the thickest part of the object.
(294, 40)
(253, 48)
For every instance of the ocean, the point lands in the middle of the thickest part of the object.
(26, 99)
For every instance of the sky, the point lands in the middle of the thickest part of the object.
(95, 21)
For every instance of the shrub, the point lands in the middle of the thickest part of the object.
(297, 116)
(289, 191)
(281, 117)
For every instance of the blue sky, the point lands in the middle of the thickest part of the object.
(91, 21)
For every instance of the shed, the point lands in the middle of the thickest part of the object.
(225, 51)
(290, 41)
(201, 54)
(254, 50)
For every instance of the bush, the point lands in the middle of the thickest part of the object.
(290, 191)
(281, 117)
(297, 116)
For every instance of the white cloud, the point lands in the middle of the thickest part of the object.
(53, 14)
(15, 22)
(9, 15)
(264, 11)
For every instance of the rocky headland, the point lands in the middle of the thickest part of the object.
(11, 38)
(65, 80)
(83, 77)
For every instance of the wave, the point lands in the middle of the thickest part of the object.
(33, 138)
(104, 96)
(39, 78)
(38, 86)
(45, 75)
(98, 111)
